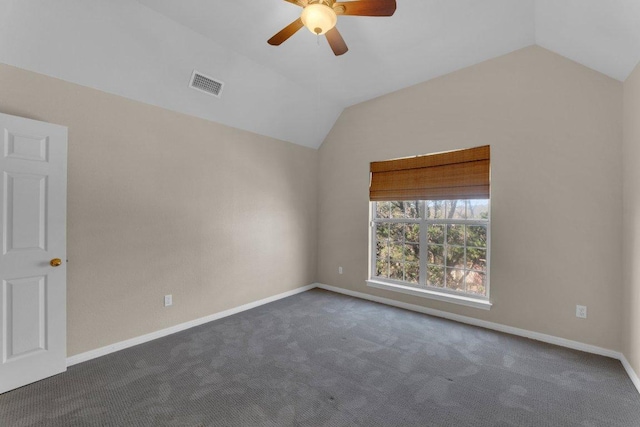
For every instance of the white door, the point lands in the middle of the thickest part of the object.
(33, 193)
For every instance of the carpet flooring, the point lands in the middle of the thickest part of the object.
(324, 359)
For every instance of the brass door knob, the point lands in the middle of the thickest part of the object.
(55, 262)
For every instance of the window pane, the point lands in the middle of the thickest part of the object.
(478, 209)
(435, 276)
(397, 209)
(382, 232)
(456, 209)
(412, 233)
(411, 272)
(476, 283)
(435, 234)
(455, 234)
(477, 259)
(455, 279)
(455, 256)
(477, 236)
(435, 209)
(383, 209)
(396, 232)
(382, 267)
(395, 251)
(411, 253)
(412, 209)
(396, 270)
(435, 254)
(382, 251)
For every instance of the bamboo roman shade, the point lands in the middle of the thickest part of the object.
(462, 174)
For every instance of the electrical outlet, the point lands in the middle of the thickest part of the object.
(581, 311)
(168, 300)
(339, 270)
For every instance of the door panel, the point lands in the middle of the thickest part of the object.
(25, 212)
(26, 147)
(25, 326)
(33, 226)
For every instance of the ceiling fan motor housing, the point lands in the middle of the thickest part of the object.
(319, 17)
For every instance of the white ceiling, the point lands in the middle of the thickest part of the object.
(146, 50)
(600, 34)
(422, 40)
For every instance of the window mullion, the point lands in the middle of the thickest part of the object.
(445, 250)
(388, 250)
(423, 253)
(374, 239)
(464, 260)
(403, 248)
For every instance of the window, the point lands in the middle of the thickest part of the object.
(438, 245)
(430, 229)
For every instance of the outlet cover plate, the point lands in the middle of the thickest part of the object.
(168, 300)
(581, 311)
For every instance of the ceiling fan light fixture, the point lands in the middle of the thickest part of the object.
(319, 18)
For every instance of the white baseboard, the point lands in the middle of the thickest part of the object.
(632, 374)
(482, 323)
(92, 354)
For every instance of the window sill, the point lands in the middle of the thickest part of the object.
(440, 296)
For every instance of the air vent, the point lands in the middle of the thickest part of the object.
(206, 84)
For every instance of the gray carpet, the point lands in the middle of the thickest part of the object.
(323, 359)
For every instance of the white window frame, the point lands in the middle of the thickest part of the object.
(422, 289)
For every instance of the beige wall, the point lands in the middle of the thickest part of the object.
(163, 203)
(555, 130)
(631, 220)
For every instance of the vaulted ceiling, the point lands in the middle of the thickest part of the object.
(146, 50)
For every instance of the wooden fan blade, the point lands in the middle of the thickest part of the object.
(301, 3)
(366, 8)
(286, 32)
(336, 42)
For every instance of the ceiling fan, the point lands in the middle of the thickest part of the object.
(320, 17)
